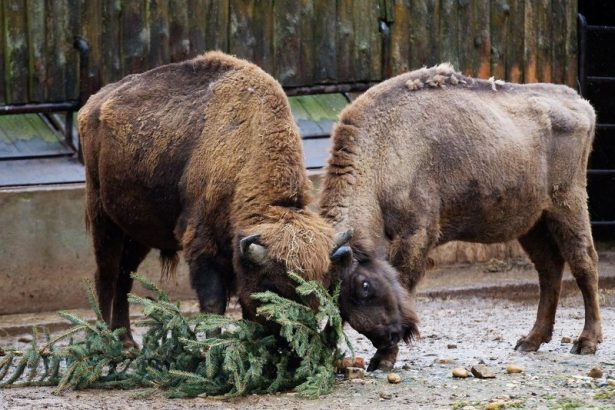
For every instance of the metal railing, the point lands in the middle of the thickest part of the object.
(68, 107)
(585, 81)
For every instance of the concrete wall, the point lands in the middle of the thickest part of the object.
(45, 251)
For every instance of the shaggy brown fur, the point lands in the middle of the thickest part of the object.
(195, 156)
(432, 156)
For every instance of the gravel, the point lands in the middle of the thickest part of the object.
(484, 330)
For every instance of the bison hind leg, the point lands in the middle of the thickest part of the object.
(133, 254)
(108, 243)
(571, 228)
(543, 251)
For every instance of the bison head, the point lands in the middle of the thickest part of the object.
(372, 300)
(294, 241)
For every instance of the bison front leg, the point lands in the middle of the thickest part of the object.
(544, 253)
(409, 256)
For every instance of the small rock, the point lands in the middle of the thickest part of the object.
(610, 382)
(406, 366)
(444, 361)
(358, 362)
(357, 381)
(495, 405)
(393, 378)
(566, 339)
(350, 362)
(513, 368)
(596, 373)
(354, 373)
(25, 339)
(385, 395)
(460, 372)
(482, 372)
(451, 346)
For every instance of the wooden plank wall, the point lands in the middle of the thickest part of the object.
(515, 40)
(300, 42)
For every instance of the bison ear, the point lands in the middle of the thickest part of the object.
(252, 250)
(342, 256)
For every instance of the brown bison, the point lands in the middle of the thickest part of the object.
(201, 156)
(433, 156)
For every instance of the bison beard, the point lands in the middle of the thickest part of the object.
(201, 156)
(433, 156)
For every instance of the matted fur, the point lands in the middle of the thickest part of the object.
(432, 156)
(192, 156)
(299, 239)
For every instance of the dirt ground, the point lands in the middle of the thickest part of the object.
(484, 330)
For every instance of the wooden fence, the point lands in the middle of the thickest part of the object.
(300, 42)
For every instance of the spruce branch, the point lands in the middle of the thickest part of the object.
(180, 357)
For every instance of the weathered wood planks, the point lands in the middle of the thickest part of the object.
(300, 42)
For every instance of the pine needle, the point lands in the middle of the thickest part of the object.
(180, 357)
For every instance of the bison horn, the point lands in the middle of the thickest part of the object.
(341, 239)
(343, 253)
(252, 250)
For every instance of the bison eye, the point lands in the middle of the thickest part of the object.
(365, 290)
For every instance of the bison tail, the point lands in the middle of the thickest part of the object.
(88, 222)
(169, 261)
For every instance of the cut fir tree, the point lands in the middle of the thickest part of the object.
(177, 357)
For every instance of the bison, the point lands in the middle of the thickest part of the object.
(432, 156)
(201, 156)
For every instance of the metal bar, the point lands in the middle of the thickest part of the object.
(37, 156)
(600, 28)
(42, 107)
(582, 40)
(603, 223)
(600, 171)
(600, 79)
(329, 88)
(85, 85)
(68, 130)
(315, 137)
(386, 49)
(605, 126)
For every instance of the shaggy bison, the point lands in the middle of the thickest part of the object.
(433, 156)
(201, 156)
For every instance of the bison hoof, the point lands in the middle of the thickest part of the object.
(583, 346)
(384, 365)
(384, 359)
(129, 343)
(523, 345)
